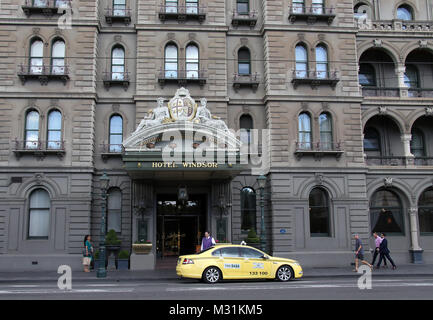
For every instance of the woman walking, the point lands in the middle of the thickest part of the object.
(87, 253)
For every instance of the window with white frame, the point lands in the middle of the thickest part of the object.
(54, 132)
(39, 214)
(114, 210)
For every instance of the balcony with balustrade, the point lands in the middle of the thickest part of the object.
(315, 78)
(311, 14)
(118, 15)
(46, 7)
(246, 81)
(182, 13)
(39, 149)
(244, 18)
(43, 73)
(111, 79)
(182, 77)
(318, 149)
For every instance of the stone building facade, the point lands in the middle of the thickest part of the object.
(344, 88)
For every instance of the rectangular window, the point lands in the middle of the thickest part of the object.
(119, 8)
(298, 6)
(192, 6)
(114, 209)
(171, 6)
(243, 7)
(318, 7)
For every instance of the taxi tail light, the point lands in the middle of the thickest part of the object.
(187, 261)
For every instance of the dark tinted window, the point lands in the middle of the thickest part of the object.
(251, 253)
(230, 252)
(216, 253)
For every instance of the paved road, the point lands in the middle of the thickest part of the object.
(314, 288)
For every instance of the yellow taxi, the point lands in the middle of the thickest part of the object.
(236, 262)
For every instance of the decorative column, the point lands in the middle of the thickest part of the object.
(406, 138)
(400, 71)
(415, 250)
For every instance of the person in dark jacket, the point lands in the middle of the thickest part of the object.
(384, 252)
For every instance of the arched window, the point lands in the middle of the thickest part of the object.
(114, 210)
(118, 63)
(36, 57)
(119, 8)
(244, 61)
(248, 209)
(192, 62)
(54, 134)
(243, 6)
(367, 75)
(304, 131)
(191, 6)
(245, 124)
(298, 6)
(417, 146)
(116, 134)
(321, 62)
(325, 125)
(405, 12)
(170, 6)
(371, 139)
(39, 214)
(411, 76)
(32, 130)
(386, 212)
(318, 6)
(425, 212)
(301, 61)
(319, 213)
(58, 57)
(171, 61)
(361, 10)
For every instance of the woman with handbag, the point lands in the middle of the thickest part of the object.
(87, 253)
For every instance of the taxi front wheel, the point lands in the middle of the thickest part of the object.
(284, 273)
(212, 275)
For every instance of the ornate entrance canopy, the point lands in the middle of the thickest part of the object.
(182, 136)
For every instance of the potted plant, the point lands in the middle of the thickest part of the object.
(142, 247)
(112, 245)
(123, 260)
(252, 239)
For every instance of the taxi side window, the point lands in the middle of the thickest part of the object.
(230, 252)
(251, 253)
(217, 253)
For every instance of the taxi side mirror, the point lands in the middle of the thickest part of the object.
(265, 256)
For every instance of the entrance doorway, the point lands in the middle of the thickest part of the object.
(180, 225)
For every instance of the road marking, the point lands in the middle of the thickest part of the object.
(299, 286)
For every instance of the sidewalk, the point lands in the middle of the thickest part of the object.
(410, 270)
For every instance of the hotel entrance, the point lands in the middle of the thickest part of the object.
(180, 224)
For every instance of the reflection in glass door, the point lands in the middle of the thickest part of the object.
(180, 226)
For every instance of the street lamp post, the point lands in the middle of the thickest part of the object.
(261, 180)
(102, 272)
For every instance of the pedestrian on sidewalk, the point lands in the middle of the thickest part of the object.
(384, 252)
(87, 253)
(359, 253)
(377, 241)
(207, 241)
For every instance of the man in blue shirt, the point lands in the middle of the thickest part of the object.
(359, 253)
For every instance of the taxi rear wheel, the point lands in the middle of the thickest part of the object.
(212, 275)
(284, 273)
